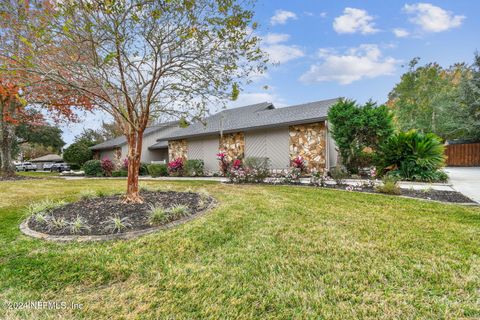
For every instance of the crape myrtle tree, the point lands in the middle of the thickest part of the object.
(23, 94)
(140, 60)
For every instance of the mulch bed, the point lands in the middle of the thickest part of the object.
(97, 212)
(428, 194)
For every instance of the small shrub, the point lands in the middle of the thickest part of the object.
(194, 168)
(389, 186)
(413, 156)
(224, 165)
(178, 211)
(157, 214)
(120, 173)
(77, 225)
(107, 167)
(143, 169)
(116, 224)
(258, 168)
(299, 163)
(40, 217)
(93, 168)
(175, 167)
(158, 170)
(101, 193)
(87, 194)
(339, 175)
(56, 223)
(43, 206)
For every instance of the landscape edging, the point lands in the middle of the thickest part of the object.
(25, 229)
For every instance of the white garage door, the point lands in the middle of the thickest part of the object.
(271, 143)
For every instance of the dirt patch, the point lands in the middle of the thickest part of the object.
(98, 215)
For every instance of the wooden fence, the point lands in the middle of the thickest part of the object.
(463, 154)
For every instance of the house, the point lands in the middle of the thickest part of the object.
(46, 161)
(258, 130)
(118, 148)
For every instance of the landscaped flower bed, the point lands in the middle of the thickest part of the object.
(107, 215)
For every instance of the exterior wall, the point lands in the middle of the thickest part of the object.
(332, 151)
(177, 149)
(110, 154)
(233, 144)
(206, 149)
(270, 143)
(158, 155)
(309, 141)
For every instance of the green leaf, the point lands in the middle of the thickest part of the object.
(109, 57)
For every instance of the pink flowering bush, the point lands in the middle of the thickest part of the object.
(237, 164)
(125, 164)
(224, 165)
(107, 167)
(299, 163)
(175, 167)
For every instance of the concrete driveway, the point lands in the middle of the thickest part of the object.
(466, 180)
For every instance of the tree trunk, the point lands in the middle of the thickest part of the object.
(135, 140)
(8, 134)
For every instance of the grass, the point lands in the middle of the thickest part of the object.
(269, 252)
(38, 174)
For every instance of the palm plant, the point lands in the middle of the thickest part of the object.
(412, 155)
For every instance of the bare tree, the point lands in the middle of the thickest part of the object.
(142, 59)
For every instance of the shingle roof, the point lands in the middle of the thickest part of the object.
(117, 142)
(262, 115)
(159, 145)
(48, 158)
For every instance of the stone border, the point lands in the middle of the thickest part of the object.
(25, 229)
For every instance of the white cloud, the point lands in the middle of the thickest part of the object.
(279, 52)
(431, 18)
(274, 38)
(354, 20)
(400, 33)
(323, 14)
(365, 61)
(282, 16)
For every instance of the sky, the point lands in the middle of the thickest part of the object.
(324, 49)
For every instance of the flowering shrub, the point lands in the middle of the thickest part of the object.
(299, 163)
(125, 164)
(224, 165)
(237, 164)
(107, 167)
(320, 179)
(292, 175)
(175, 167)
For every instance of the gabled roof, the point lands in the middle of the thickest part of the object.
(120, 141)
(257, 116)
(48, 158)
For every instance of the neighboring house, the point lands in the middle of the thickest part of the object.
(47, 161)
(258, 130)
(117, 149)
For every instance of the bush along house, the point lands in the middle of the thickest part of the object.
(259, 130)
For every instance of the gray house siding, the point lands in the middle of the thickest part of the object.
(147, 155)
(206, 149)
(271, 143)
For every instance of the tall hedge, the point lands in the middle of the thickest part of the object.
(358, 131)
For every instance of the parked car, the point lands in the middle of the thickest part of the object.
(48, 166)
(59, 167)
(26, 166)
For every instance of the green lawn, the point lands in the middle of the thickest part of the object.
(38, 174)
(266, 252)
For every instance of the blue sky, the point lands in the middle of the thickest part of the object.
(354, 49)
